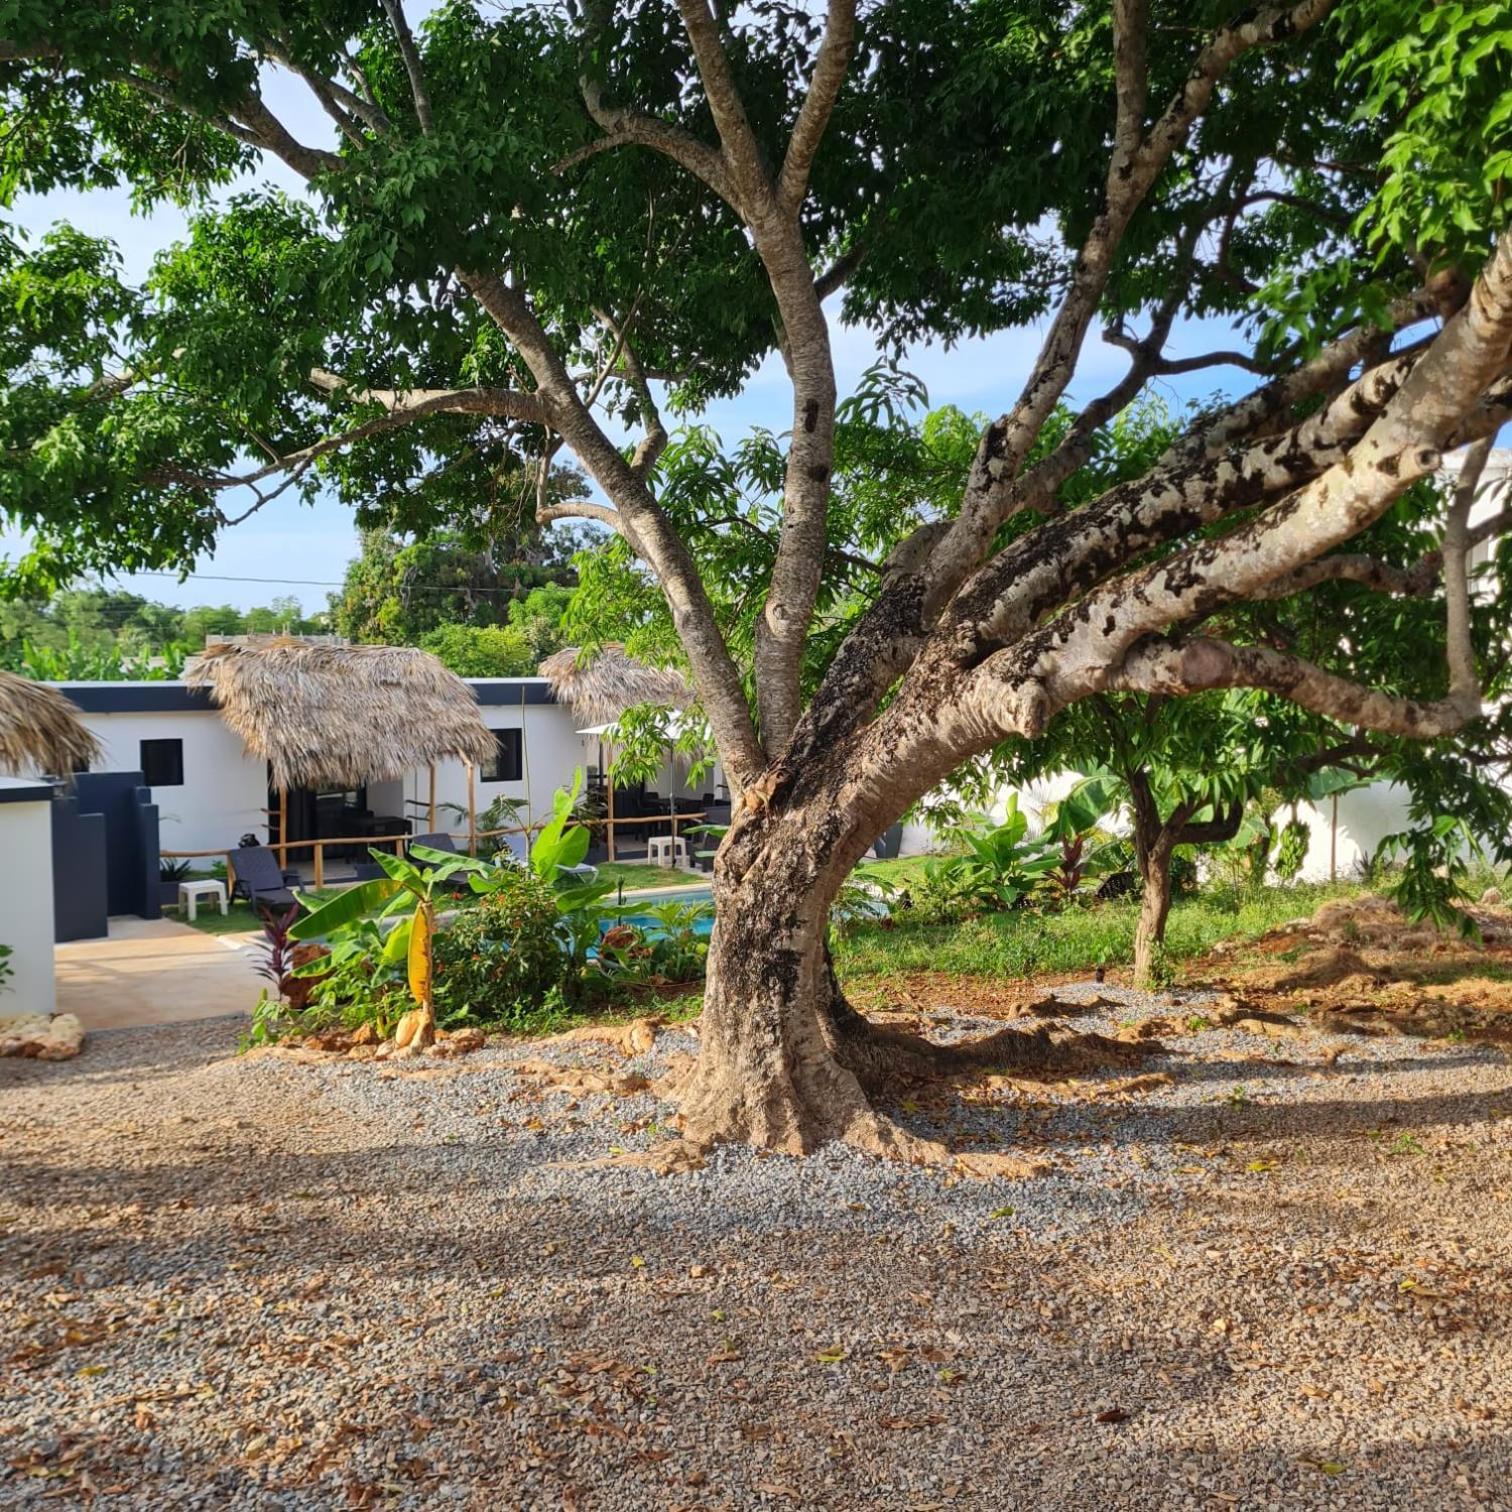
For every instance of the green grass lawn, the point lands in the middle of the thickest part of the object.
(240, 920)
(628, 874)
(897, 871)
(1020, 944)
(1080, 939)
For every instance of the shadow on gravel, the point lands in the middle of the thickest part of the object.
(123, 1056)
(1192, 1066)
(1129, 1122)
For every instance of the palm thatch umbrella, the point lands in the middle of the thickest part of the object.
(40, 730)
(601, 685)
(327, 716)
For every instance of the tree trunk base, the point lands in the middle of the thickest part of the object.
(825, 1093)
(811, 1103)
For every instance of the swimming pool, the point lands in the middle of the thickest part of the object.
(648, 924)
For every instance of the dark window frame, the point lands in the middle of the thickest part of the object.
(508, 763)
(175, 761)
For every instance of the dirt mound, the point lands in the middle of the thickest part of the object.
(1366, 918)
(1360, 966)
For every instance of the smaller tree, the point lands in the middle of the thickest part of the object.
(482, 650)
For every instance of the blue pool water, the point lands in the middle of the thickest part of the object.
(648, 924)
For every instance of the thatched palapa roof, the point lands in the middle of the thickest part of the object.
(40, 730)
(337, 716)
(602, 684)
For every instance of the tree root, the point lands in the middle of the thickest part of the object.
(880, 1056)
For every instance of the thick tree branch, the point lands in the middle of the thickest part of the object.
(1202, 664)
(394, 10)
(582, 509)
(643, 523)
(1459, 647)
(813, 116)
(741, 152)
(627, 128)
(654, 442)
(274, 137)
(1131, 173)
(1272, 403)
(1073, 656)
(1218, 830)
(412, 404)
(1131, 75)
(798, 567)
(336, 101)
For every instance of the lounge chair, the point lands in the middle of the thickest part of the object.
(260, 879)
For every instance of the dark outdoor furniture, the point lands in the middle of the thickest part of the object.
(260, 879)
(382, 826)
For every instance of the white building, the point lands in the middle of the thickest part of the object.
(210, 791)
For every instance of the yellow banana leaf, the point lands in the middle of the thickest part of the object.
(420, 956)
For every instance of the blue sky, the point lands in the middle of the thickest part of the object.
(291, 548)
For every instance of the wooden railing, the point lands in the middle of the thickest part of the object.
(316, 849)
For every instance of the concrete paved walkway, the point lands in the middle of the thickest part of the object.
(154, 971)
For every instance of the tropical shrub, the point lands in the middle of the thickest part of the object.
(1001, 867)
(277, 947)
(356, 985)
(678, 950)
(407, 892)
(499, 961)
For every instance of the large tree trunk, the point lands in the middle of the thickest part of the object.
(785, 1062)
(769, 1069)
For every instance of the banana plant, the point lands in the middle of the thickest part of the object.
(1002, 866)
(408, 890)
(555, 856)
(562, 844)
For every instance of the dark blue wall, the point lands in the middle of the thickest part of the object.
(80, 911)
(176, 698)
(131, 838)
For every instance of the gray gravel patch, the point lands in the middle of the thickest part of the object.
(252, 1283)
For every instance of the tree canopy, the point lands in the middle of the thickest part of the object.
(532, 231)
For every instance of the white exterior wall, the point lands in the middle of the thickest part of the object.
(1033, 799)
(225, 791)
(26, 896)
(1365, 817)
(552, 749)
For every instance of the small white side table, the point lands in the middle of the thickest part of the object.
(191, 892)
(667, 850)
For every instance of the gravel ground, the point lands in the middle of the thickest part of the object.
(1276, 1279)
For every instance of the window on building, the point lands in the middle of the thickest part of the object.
(163, 763)
(508, 764)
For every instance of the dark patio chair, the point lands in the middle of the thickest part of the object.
(260, 879)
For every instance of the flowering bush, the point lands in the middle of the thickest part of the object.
(500, 960)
